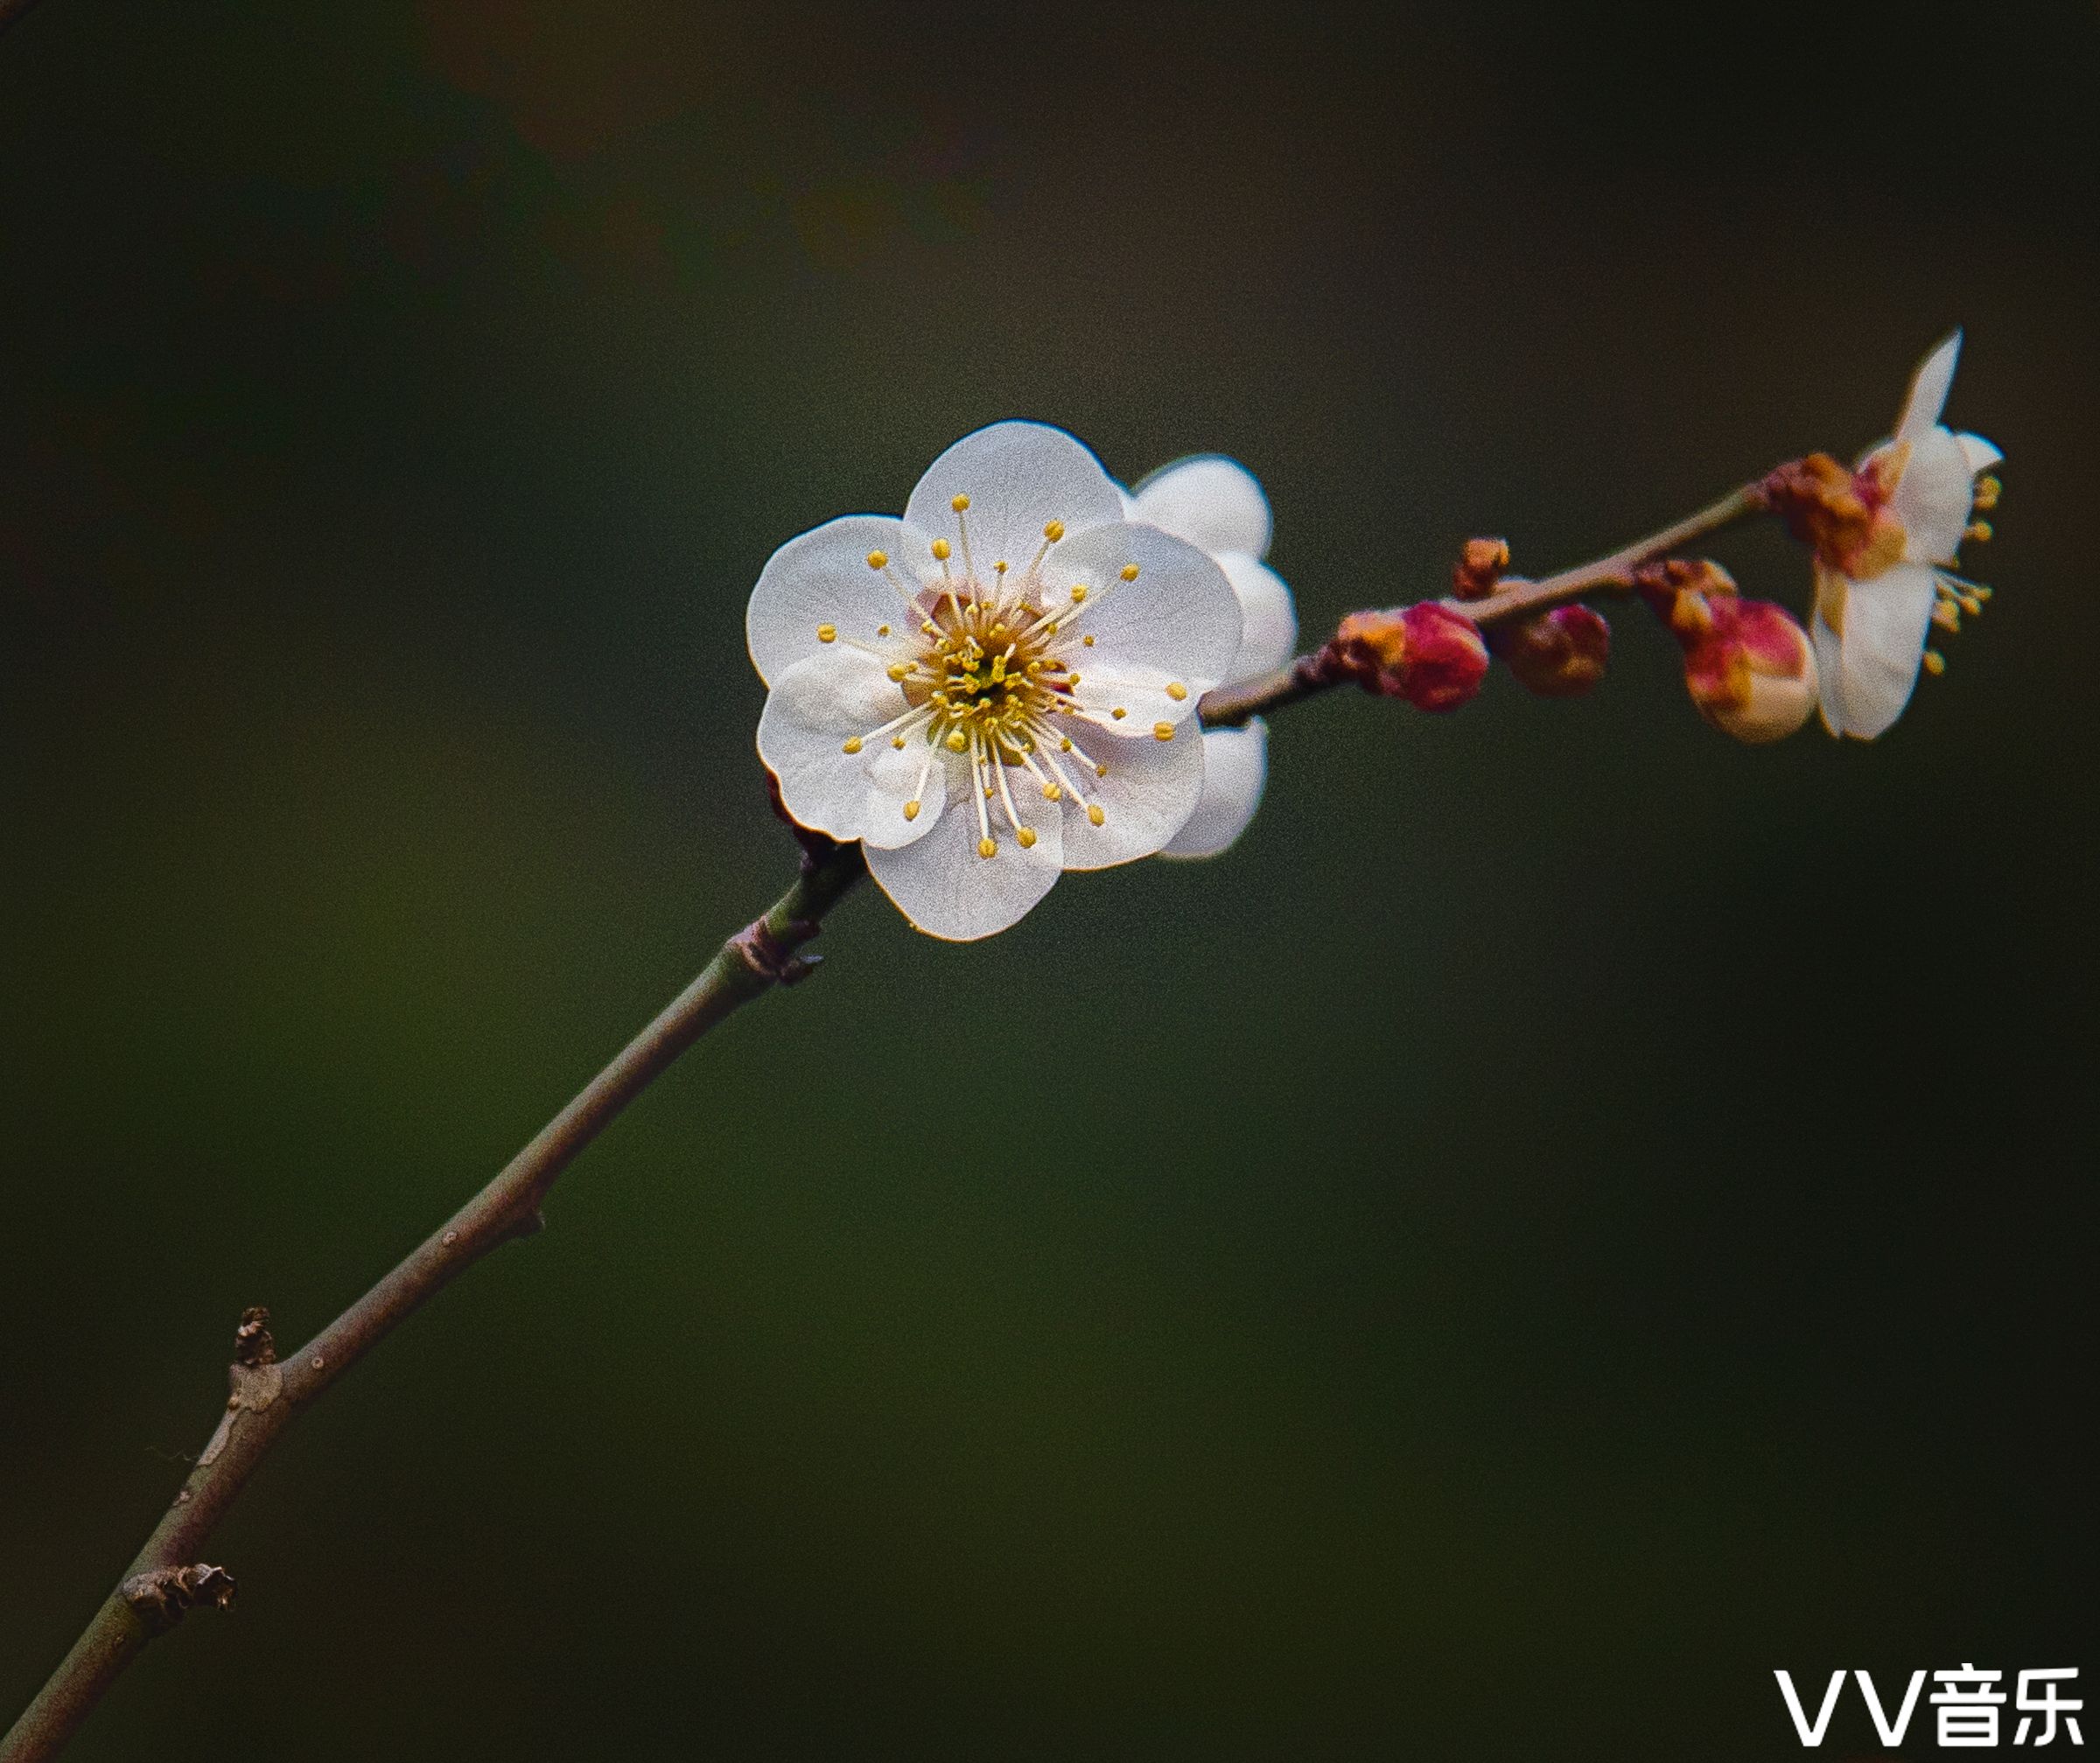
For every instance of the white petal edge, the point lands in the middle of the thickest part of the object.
(821, 578)
(1236, 766)
(1885, 621)
(1177, 620)
(1979, 452)
(1268, 617)
(948, 890)
(1019, 477)
(1214, 502)
(813, 709)
(1929, 389)
(1151, 788)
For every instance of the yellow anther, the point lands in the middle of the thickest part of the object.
(1055, 531)
(1088, 641)
(1978, 531)
(957, 741)
(1101, 771)
(911, 809)
(1176, 690)
(1027, 839)
(1094, 813)
(852, 745)
(882, 630)
(941, 550)
(961, 505)
(878, 560)
(1079, 592)
(998, 569)
(827, 633)
(1065, 745)
(1987, 492)
(988, 847)
(1936, 663)
(897, 741)
(1163, 732)
(1051, 792)
(901, 671)
(1119, 714)
(1130, 572)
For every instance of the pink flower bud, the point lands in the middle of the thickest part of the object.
(1556, 654)
(1752, 670)
(1430, 656)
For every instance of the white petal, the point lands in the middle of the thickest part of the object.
(1885, 619)
(1235, 764)
(1151, 788)
(915, 773)
(1267, 619)
(1829, 672)
(946, 890)
(813, 707)
(1979, 452)
(1933, 498)
(1929, 390)
(1177, 621)
(822, 577)
(1212, 502)
(1019, 477)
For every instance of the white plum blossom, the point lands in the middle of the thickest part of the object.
(997, 687)
(1216, 505)
(1885, 547)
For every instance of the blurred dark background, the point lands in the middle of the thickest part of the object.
(1570, 1215)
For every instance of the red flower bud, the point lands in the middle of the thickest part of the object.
(1479, 569)
(1430, 656)
(1556, 654)
(1752, 670)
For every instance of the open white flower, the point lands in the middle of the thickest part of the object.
(1885, 547)
(1216, 505)
(995, 688)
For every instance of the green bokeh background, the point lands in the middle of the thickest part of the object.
(1570, 1215)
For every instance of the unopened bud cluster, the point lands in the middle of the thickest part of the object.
(1427, 654)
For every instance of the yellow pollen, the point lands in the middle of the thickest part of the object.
(1176, 690)
(1079, 592)
(852, 745)
(1055, 531)
(1130, 572)
(897, 741)
(1978, 531)
(1027, 839)
(1936, 663)
(988, 847)
(957, 741)
(1094, 813)
(961, 504)
(1088, 641)
(882, 630)
(827, 633)
(1163, 732)
(878, 560)
(911, 809)
(901, 671)
(1119, 714)
(941, 550)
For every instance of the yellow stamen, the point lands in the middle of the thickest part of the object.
(901, 671)
(987, 847)
(852, 745)
(1055, 530)
(956, 741)
(1163, 732)
(941, 550)
(959, 504)
(1051, 792)
(1176, 690)
(1987, 492)
(1130, 572)
(1088, 641)
(1094, 813)
(1119, 714)
(1079, 592)
(1936, 663)
(1978, 531)
(1027, 838)
(878, 560)
(882, 630)
(827, 633)
(911, 809)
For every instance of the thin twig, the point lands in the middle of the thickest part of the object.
(167, 1578)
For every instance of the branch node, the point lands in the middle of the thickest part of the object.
(164, 1596)
(772, 955)
(252, 1343)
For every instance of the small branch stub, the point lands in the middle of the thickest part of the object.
(164, 1596)
(253, 1345)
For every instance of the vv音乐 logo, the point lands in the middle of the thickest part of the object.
(1967, 1703)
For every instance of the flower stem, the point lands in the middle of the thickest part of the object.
(1229, 707)
(268, 1396)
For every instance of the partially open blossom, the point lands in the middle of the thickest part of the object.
(1557, 654)
(996, 688)
(1216, 505)
(1885, 537)
(1428, 655)
(1748, 664)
